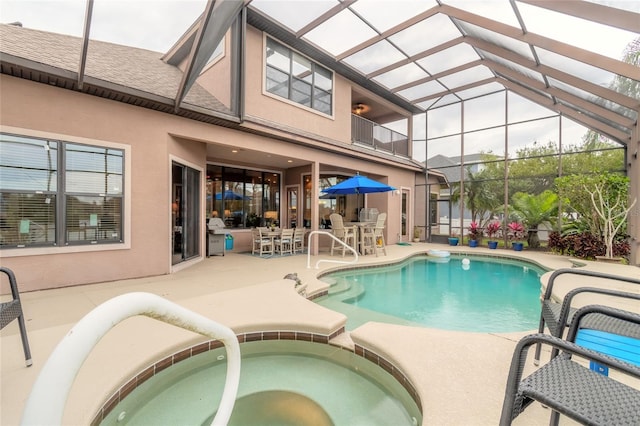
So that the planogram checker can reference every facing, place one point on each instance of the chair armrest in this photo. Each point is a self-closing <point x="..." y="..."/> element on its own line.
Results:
<point x="563" y="319"/>
<point x="605" y="318"/>
<point x="13" y="283"/>
<point x="574" y="271"/>
<point x="514" y="402"/>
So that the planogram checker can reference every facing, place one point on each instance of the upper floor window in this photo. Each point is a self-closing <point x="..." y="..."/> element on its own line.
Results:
<point x="293" y="76"/>
<point x="59" y="193"/>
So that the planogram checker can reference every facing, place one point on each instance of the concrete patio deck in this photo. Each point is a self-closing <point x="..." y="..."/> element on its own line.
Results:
<point x="459" y="376"/>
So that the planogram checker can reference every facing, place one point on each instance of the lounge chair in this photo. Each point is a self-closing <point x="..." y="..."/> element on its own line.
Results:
<point x="568" y="387"/>
<point x="556" y="316"/>
<point x="13" y="310"/>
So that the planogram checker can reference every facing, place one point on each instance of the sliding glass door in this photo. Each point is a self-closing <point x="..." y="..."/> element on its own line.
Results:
<point x="185" y="208"/>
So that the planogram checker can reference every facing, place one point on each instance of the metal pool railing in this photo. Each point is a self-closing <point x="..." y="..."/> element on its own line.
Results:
<point x="48" y="397"/>
<point x="355" y="253"/>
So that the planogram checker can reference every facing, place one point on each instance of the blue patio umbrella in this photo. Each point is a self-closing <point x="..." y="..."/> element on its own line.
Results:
<point x="358" y="184"/>
<point x="230" y="195"/>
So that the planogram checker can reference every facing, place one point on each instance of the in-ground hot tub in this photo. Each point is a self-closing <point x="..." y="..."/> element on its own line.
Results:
<point x="283" y="382"/>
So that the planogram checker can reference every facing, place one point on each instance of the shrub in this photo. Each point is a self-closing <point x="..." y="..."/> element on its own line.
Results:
<point x="557" y="243"/>
<point x="621" y="246"/>
<point x="587" y="246"/>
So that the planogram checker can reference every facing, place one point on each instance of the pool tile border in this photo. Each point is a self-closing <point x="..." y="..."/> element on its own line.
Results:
<point x="390" y="368"/>
<point x="396" y="262"/>
<point x="184" y="354"/>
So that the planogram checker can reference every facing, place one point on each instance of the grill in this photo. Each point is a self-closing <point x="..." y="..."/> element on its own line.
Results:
<point x="215" y="236"/>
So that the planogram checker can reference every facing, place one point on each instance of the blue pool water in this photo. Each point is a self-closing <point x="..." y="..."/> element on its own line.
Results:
<point x="487" y="295"/>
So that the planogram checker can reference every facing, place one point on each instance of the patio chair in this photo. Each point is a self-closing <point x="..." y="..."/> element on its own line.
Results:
<point x="566" y="386"/>
<point x="373" y="238"/>
<point x="298" y="240"/>
<point x="261" y="243"/>
<point x="346" y="234"/>
<point x="13" y="310"/>
<point x="284" y="242"/>
<point x="556" y="316"/>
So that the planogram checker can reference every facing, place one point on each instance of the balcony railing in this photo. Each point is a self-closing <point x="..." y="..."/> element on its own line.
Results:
<point x="380" y="138"/>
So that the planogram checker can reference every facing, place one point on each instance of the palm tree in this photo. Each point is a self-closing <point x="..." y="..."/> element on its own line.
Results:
<point x="535" y="210"/>
<point x="479" y="196"/>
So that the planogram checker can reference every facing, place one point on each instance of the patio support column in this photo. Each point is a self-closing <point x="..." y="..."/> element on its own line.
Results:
<point x="506" y="167"/>
<point x="633" y="171"/>
<point x="462" y="175"/>
<point x="315" y="211"/>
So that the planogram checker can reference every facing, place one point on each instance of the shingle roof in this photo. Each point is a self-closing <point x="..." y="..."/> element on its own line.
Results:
<point x="446" y="166"/>
<point x="128" y="67"/>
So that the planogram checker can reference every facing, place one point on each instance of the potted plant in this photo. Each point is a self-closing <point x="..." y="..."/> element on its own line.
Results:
<point x="416" y="234"/>
<point x="493" y="229"/>
<point x="516" y="233"/>
<point x="453" y="239"/>
<point x="475" y="232"/>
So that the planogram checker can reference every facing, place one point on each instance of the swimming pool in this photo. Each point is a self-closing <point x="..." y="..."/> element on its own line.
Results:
<point x="282" y="382"/>
<point x="483" y="295"/>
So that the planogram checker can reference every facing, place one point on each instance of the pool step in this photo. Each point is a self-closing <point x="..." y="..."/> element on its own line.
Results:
<point x="355" y="292"/>
<point x="339" y="285"/>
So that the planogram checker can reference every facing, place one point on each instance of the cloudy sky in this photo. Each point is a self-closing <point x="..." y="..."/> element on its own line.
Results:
<point x="148" y="24"/>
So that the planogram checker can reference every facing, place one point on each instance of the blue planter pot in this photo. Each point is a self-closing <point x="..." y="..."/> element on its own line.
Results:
<point x="473" y="243"/>
<point x="453" y="241"/>
<point x="517" y="246"/>
<point x="493" y="245"/>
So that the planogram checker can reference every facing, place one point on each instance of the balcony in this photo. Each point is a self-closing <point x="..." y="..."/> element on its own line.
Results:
<point x="366" y="132"/>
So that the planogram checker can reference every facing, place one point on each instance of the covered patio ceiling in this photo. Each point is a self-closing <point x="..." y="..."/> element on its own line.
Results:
<point x="431" y="53"/>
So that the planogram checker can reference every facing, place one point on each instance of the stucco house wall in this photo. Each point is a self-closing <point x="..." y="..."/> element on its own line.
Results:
<point x="152" y="140"/>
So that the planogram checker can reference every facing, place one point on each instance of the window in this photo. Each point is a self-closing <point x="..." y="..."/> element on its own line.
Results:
<point x="243" y="198"/>
<point x="59" y="193"/>
<point x="294" y="77"/>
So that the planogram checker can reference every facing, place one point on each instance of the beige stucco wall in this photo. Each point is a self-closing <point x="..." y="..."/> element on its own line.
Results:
<point x="40" y="110"/>
<point x="217" y="75"/>
<point x="152" y="140"/>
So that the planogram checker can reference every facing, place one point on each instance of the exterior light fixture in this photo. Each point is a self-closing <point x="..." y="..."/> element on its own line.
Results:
<point x="360" y="108"/>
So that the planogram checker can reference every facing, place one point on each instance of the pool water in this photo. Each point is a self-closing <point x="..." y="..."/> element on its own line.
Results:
<point x="480" y="294"/>
<point x="282" y="383"/>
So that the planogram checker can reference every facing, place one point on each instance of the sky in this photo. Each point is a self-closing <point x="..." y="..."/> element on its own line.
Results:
<point x="148" y="24"/>
<point x="157" y="24"/>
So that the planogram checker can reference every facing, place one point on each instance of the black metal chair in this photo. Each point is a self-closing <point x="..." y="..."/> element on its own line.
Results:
<point x="556" y="316"/>
<point x="570" y="388"/>
<point x="13" y="310"/>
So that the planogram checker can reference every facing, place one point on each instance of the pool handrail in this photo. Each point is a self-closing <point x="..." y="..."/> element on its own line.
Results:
<point x="347" y="262"/>
<point x="46" y="402"/>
